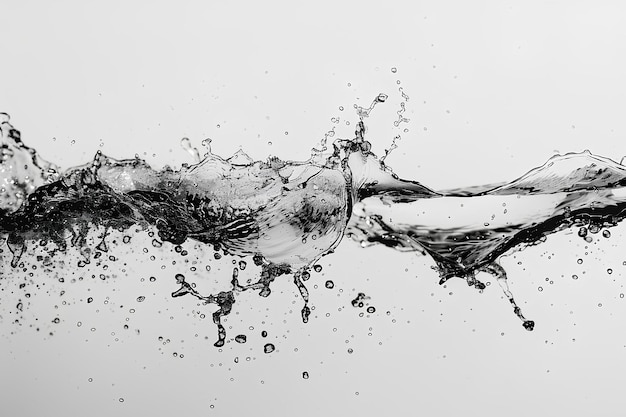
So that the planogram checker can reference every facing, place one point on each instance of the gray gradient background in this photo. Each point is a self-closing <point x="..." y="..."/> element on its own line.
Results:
<point x="496" y="88"/>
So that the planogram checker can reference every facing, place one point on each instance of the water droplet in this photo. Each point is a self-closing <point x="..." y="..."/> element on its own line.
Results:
<point x="269" y="348"/>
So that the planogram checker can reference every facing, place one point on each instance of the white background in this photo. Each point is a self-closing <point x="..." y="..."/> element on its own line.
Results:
<point x="495" y="89"/>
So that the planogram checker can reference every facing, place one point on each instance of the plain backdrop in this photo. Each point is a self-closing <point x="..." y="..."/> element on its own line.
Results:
<point x="495" y="88"/>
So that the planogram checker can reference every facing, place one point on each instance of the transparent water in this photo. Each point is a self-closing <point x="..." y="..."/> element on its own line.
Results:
<point x="276" y="219"/>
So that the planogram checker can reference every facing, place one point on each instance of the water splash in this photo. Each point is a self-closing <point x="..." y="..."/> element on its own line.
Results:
<point x="286" y="215"/>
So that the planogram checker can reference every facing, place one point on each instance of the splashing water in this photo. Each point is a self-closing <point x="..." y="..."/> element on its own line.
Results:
<point x="286" y="215"/>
